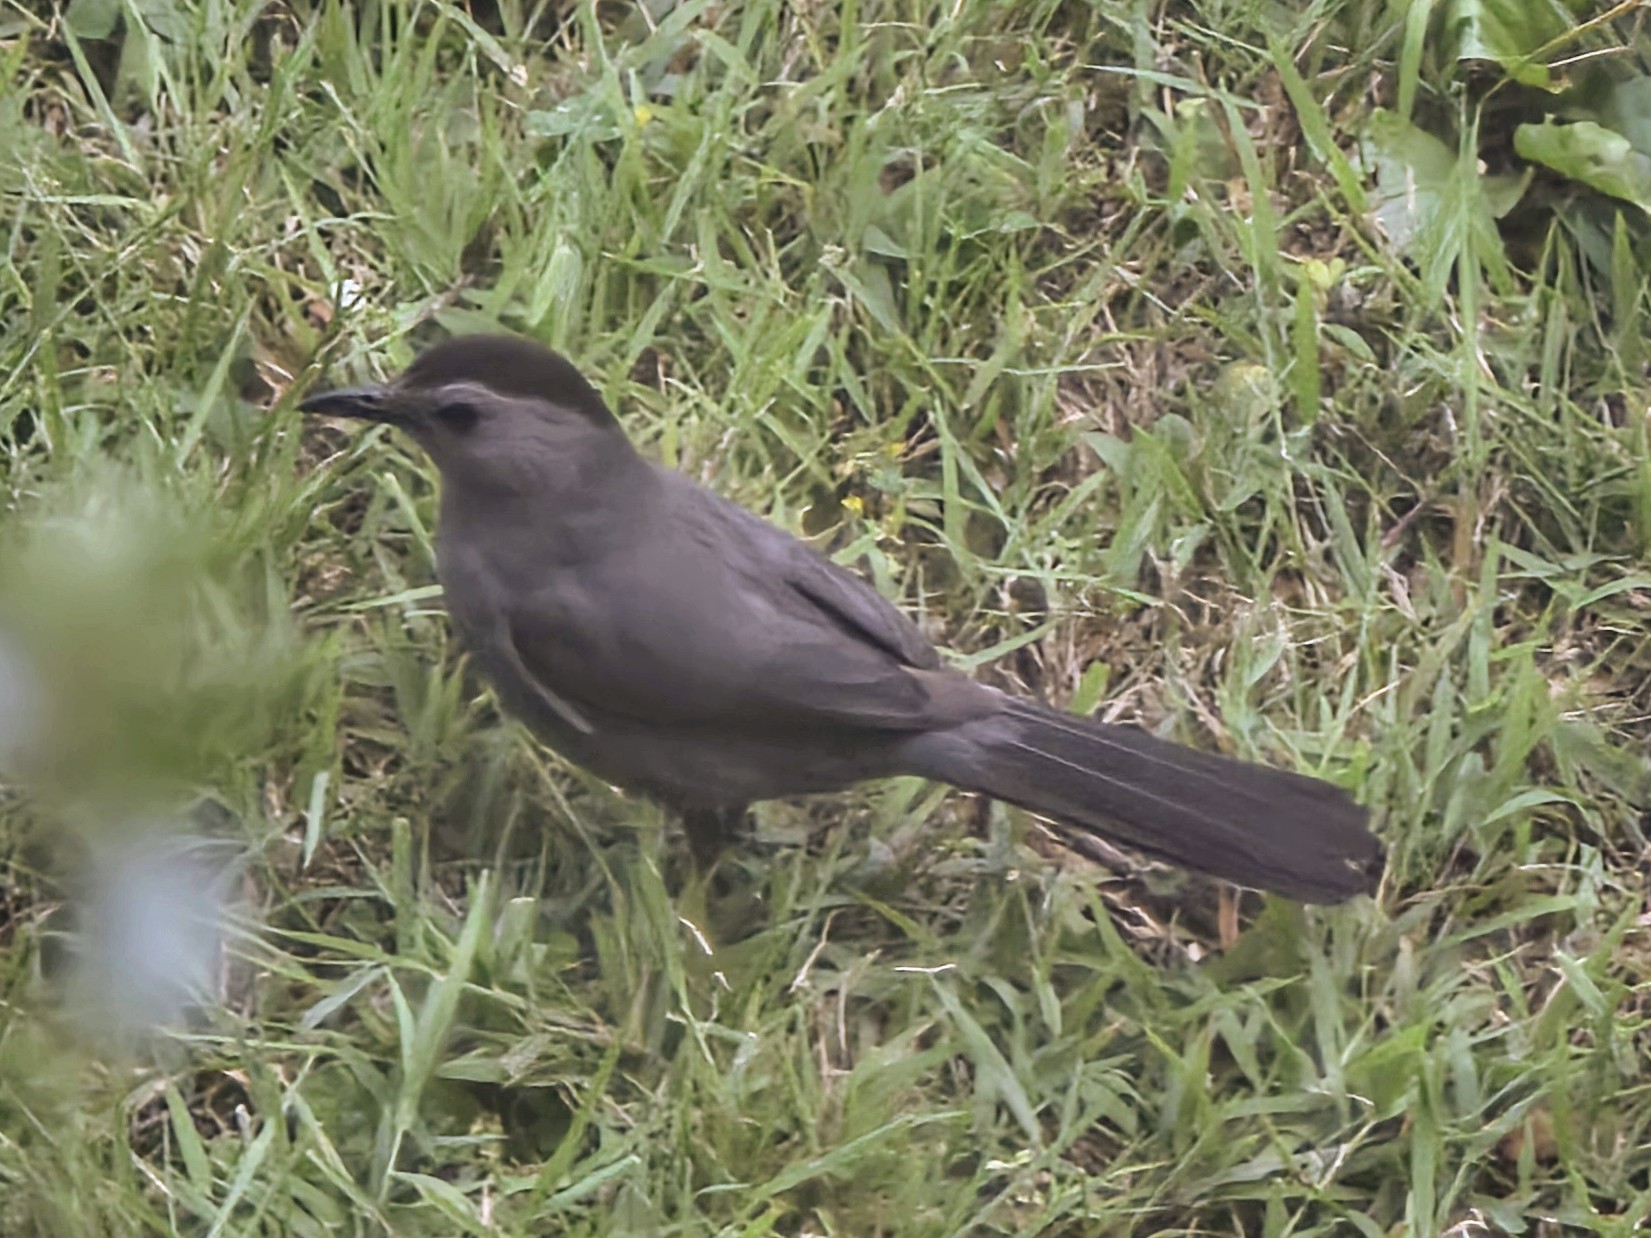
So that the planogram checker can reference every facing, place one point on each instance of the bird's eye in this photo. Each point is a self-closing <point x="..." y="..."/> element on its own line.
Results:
<point x="459" y="416"/>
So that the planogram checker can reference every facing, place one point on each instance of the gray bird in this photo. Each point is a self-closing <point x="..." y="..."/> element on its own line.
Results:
<point x="679" y="646"/>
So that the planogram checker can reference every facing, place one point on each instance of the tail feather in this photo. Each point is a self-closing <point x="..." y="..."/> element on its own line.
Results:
<point x="1251" y="824"/>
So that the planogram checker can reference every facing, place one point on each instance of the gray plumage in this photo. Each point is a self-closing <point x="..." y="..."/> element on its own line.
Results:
<point x="676" y="644"/>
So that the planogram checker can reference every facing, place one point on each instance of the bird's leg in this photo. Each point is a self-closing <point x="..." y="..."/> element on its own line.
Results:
<point x="724" y="901"/>
<point x="709" y="831"/>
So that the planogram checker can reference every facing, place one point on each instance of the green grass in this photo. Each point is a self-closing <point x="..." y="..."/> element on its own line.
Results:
<point x="1074" y="327"/>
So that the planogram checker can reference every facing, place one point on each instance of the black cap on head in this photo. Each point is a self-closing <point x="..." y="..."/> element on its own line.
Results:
<point x="510" y="366"/>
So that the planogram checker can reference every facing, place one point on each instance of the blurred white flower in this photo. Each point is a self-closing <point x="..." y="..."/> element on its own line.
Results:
<point x="148" y="946"/>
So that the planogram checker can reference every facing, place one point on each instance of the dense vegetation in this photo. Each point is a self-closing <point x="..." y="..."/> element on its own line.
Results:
<point x="1270" y="376"/>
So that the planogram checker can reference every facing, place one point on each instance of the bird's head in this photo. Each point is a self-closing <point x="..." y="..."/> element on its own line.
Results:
<point x="491" y="410"/>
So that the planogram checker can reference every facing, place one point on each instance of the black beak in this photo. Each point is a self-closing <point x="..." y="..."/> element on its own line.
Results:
<point x="361" y="403"/>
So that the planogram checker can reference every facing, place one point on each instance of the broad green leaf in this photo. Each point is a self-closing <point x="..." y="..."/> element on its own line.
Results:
<point x="1591" y="154"/>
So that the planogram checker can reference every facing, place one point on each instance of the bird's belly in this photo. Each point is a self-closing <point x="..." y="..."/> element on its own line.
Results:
<point x="690" y="765"/>
<point x="699" y="767"/>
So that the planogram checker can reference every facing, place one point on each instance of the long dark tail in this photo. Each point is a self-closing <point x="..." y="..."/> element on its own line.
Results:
<point x="1247" y="823"/>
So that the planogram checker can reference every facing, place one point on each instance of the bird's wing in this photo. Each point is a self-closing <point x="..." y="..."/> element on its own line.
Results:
<point x="502" y="645"/>
<point x="861" y="610"/>
<point x="737" y="625"/>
